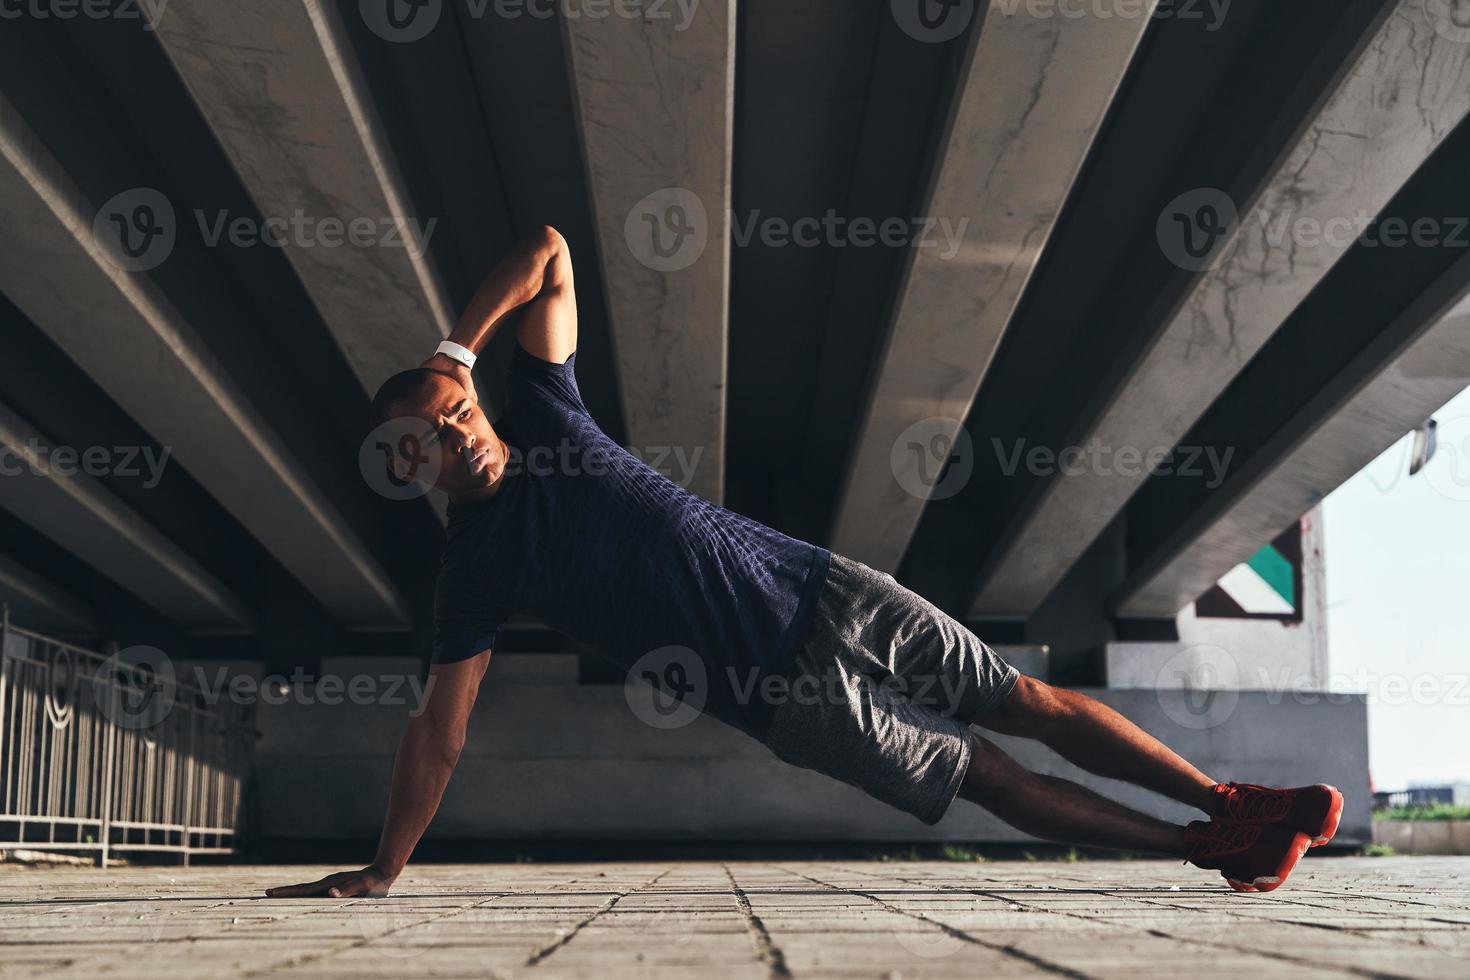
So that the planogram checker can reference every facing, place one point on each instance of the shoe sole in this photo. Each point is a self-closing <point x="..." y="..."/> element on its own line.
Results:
<point x="1269" y="883"/>
<point x="1334" y="816"/>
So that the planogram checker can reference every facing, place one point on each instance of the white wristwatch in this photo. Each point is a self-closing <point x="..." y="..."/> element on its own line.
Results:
<point x="455" y="352"/>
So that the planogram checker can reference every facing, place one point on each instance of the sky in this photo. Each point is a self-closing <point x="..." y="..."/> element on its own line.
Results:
<point x="1397" y="551"/>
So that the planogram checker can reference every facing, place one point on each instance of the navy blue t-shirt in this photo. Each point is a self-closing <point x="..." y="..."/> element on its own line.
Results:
<point x="591" y="541"/>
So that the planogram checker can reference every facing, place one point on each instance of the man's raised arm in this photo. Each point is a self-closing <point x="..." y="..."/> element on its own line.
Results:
<point x="426" y="757"/>
<point x="536" y="278"/>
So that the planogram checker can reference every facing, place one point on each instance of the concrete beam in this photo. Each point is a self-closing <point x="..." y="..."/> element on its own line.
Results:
<point x="79" y="513"/>
<point x="1359" y="150"/>
<point x="656" y="100"/>
<point x="282" y="90"/>
<point x="1036" y="91"/>
<point x="1340" y="435"/>
<point x="36" y="603"/>
<point x="121" y="329"/>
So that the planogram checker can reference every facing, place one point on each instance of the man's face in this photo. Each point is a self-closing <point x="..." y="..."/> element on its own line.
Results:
<point x="471" y="457"/>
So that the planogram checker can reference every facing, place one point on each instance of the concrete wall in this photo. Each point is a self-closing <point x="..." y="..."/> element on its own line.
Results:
<point x="551" y="759"/>
<point x="1423" y="836"/>
<point x="1239" y="654"/>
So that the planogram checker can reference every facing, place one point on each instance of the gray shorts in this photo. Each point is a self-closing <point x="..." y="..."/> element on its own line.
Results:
<point x="882" y="691"/>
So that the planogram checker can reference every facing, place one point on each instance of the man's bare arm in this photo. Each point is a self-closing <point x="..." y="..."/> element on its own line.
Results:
<point x="426" y="757"/>
<point x="535" y="278"/>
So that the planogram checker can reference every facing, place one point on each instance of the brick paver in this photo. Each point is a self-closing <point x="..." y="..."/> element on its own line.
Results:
<point x="1397" y="917"/>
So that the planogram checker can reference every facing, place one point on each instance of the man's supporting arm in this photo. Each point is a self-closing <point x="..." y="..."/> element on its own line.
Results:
<point x="426" y="757"/>
<point x="535" y="278"/>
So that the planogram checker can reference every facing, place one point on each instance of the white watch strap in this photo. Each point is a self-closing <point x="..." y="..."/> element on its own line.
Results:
<point x="455" y="352"/>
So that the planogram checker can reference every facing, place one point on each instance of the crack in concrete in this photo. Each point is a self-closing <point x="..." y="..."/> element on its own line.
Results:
<point x="960" y="934"/>
<point x="542" y="952"/>
<point x="760" y="937"/>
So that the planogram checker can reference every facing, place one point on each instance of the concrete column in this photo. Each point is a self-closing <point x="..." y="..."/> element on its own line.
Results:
<point x="283" y="93"/>
<point x="655" y="93"/>
<point x="1037" y="88"/>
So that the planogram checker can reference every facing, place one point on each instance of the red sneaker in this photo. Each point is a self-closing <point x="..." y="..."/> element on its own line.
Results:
<point x="1250" y="857"/>
<point x="1311" y="810"/>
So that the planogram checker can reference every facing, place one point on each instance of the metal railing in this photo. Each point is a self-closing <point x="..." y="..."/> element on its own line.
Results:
<point x="105" y="756"/>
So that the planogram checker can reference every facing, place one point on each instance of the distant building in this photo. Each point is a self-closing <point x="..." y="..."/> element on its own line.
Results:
<point x="1457" y="794"/>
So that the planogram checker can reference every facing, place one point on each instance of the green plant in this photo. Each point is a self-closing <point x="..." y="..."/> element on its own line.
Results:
<point x="955" y="852"/>
<point x="1378" y="851"/>
<point x="1434" y="811"/>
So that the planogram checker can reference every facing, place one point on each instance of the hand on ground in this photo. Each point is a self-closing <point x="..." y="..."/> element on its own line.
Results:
<point x="367" y="883"/>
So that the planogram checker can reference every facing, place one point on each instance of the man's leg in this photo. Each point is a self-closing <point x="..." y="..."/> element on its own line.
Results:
<point x="1094" y="737"/>
<point x="1059" y="810"/>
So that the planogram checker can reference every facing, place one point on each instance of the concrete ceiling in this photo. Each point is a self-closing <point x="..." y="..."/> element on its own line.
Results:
<point x="789" y="372"/>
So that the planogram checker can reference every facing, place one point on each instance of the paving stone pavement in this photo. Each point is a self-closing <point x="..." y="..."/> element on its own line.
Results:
<point x="1391" y="917"/>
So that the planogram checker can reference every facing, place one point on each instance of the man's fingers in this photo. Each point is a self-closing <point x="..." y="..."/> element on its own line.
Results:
<point x="301" y="891"/>
<point x="295" y="891"/>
